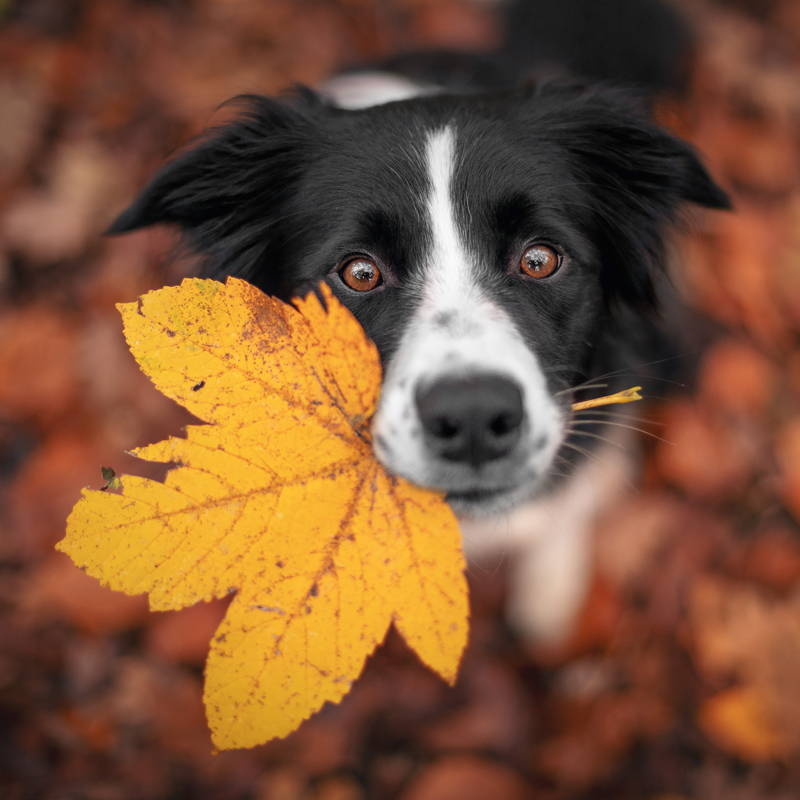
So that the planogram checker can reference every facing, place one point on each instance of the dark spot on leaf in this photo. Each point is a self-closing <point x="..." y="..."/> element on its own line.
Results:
<point x="198" y="386"/>
<point x="169" y="333"/>
<point x="221" y="638"/>
<point x="269" y="609"/>
<point x="314" y="590"/>
<point x="279" y="564"/>
<point x="308" y="609"/>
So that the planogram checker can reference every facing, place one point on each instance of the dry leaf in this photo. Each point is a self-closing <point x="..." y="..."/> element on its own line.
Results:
<point x="466" y="777"/>
<point x="738" y="719"/>
<point x="278" y="499"/>
<point x="787" y="451"/>
<point x="700" y="454"/>
<point x="737" y="378"/>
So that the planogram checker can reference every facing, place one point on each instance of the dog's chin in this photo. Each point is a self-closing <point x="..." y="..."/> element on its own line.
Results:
<point x="488" y="502"/>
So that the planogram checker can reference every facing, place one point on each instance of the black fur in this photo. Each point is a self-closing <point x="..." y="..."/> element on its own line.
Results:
<point x="284" y="194"/>
<point x="646" y="44"/>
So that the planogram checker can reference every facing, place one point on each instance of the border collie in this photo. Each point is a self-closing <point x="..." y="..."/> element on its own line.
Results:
<point x="499" y="247"/>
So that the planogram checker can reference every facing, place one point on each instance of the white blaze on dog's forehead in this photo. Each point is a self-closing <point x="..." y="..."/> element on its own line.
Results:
<point x="448" y="273"/>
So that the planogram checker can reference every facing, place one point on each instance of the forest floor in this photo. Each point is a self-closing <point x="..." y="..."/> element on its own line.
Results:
<point x="681" y="680"/>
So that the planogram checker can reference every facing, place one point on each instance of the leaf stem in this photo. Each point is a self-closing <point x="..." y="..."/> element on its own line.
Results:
<point x="625" y="396"/>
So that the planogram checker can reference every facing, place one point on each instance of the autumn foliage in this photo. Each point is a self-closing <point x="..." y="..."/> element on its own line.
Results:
<point x="680" y="681"/>
<point x="278" y="500"/>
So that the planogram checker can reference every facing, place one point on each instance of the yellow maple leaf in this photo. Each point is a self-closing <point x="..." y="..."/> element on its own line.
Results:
<point x="279" y="499"/>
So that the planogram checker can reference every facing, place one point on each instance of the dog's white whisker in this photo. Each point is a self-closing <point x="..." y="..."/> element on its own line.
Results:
<point x="614" y="414"/>
<point x="589" y="434"/>
<point x="582" y="387"/>
<point x="623" y="425"/>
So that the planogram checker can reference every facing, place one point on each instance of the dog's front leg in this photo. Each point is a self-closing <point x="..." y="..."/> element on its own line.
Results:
<point x="549" y="579"/>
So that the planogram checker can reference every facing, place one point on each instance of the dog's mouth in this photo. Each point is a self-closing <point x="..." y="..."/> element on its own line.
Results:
<point x="475" y="495"/>
<point x="486" y="502"/>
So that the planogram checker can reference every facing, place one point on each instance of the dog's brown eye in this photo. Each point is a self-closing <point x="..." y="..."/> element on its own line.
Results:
<point x="539" y="261"/>
<point x="361" y="275"/>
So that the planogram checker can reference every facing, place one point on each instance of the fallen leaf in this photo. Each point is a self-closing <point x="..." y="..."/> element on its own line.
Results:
<point x="183" y="636"/>
<point x="56" y="590"/>
<point x="467" y="777"/>
<point x="787" y="451"/>
<point x="699" y="454"/>
<point x="769" y="556"/>
<point x="38" y="349"/>
<point x="632" y="535"/>
<point x="741" y="632"/>
<point x="277" y="499"/>
<point x="82" y="185"/>
<point x="23" y="122"/>
<point x="737" y="378"/>
<point x="739" y="721"/>
<point x="339" y="787"/>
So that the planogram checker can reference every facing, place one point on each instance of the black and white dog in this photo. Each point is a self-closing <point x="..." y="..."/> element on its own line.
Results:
<point x="499" y="247"/>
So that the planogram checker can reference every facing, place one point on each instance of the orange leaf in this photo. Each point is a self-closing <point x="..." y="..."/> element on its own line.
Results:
<point x="277" y="499"/>
<point x="738" y="720"/>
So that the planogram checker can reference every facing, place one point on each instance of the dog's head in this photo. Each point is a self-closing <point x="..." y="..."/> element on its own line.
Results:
<point x="483" y="241"/>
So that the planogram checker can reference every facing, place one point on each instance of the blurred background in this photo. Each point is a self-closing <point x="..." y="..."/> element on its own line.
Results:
<point x="682" y="679"/>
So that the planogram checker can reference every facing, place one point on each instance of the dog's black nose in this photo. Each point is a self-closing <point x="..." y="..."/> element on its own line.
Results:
<point x="471" y="419"/>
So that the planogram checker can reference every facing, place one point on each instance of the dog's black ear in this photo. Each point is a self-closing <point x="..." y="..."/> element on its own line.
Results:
<point x="642" y="178"/>
<point x="221" y="191"/>
<point x="695" y="184"/>
<point x="645" y="162"/>
<point x="646" y="177"/>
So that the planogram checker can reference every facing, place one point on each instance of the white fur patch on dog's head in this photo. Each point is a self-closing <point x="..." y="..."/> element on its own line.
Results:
<point x="355" y="90"/>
